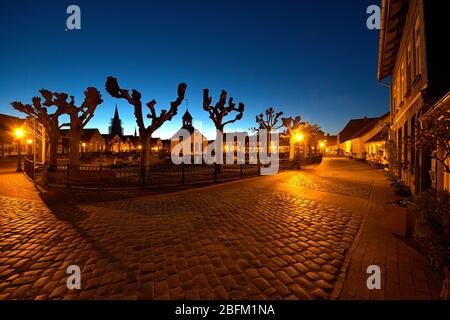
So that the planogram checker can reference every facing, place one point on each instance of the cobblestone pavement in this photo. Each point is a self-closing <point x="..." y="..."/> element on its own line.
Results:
<point x="261" y="238"/>
<point x="15" y="185"/>
<point x="353" y="188"/>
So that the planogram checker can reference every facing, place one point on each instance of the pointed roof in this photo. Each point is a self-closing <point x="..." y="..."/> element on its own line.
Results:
<point x="331" y="140"/>
<point x="88" y="134"/>
<point x="187" y="115"/>
<point x="358" y="127"/>
<point x="354" y="127"/>
<point x="393" y="20"/>
<point x="381" y="135"/>
<point x="116" y="124"/>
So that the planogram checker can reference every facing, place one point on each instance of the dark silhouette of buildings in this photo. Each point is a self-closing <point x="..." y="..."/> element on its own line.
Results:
<point x="116" y="125"/>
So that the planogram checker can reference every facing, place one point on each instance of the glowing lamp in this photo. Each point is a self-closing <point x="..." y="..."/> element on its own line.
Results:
<point x="19" y="133"/>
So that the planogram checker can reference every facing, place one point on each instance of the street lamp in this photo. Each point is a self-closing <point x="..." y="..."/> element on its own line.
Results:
<point x="19" y="134"/>
<point x="84" y="147"/>
<point x="298" y="137"/>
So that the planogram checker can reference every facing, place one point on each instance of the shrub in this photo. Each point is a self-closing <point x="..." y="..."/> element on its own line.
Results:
<point x="402" y="190"/>
<point x="433" y="226"/>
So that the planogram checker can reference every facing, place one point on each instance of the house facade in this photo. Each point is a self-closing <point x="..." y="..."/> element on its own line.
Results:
<point x="375" y="147"/>
<point x="368" y="143"/>
<point x="198" y="142"/>
<point x="364" y="139"/>
<point x="92" y="141"/>
<point x="331" y="147"/>
<point x="348" y="139"/>
<point x="413" y="54"/>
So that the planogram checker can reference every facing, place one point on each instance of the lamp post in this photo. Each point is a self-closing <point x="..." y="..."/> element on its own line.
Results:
<point x="298" y="139"/>
<point x="322" y="146"/>
<point x="140" y="150"/>
<point x="19" y="134"/>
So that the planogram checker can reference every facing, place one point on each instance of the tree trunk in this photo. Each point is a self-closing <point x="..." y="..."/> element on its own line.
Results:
<point x="146" y="148"/>
<point x="291" y="149"/>
<point x="74" y="152"/>
<point x="53" y="153"/>
<point x="269" y="144"/>
<point x="145" y="157"/>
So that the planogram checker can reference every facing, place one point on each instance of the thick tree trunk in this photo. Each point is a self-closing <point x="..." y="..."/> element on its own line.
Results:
<point x="291" y="150"/>
<point x="145" y="157"/>
<point x="74" y="152"/>
<point x="53" y="153"/>
<point x="146" y="148"/>
<point x="53" y="137"/>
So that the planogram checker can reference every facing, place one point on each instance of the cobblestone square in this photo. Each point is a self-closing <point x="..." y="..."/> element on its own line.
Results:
<point x="297" y="235"/>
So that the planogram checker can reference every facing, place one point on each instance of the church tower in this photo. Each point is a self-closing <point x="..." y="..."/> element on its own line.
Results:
<point x="187" y="122"/>
<point x="187" y="119"/>
<point x="116" y="125"/>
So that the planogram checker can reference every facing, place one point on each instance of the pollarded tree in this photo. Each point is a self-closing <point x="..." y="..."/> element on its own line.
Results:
<point x="50" y="122"/>
<point x="292" y="130"/>
<point x="145" y="132"/>
<point x="299" y="131"/>
<point x="269" y="122"/>
<point x="313" y="134"/>
<point x="79" y="116"/>
<point x="220" y="110"/>
<point x="292" y="125"/>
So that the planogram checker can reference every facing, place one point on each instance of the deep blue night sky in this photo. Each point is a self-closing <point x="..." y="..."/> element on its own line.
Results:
<point x="316" y="58"/>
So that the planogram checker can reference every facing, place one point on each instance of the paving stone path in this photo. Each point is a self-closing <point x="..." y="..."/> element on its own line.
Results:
<point x="260" y="238"/>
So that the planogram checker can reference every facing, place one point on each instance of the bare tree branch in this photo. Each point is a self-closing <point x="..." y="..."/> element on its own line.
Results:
<point x="218" y="112"/>
<point x="270" y="121"/>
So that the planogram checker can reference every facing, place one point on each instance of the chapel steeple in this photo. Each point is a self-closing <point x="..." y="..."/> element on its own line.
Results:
<point x="187" y="119"/>
<point x="116" y="124"/>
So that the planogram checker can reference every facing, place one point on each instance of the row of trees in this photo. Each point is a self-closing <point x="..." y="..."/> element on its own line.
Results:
<point x="48" y="109"/>
<point x="79" y="117"/>
<point x="41" y="109"/>
<point x="272" y="120"/>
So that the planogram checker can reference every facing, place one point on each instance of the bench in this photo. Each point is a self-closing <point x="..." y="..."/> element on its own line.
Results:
<point x="89" y="178"/>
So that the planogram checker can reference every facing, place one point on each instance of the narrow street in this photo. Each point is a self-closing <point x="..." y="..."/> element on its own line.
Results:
<point x="307" y="234"/>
